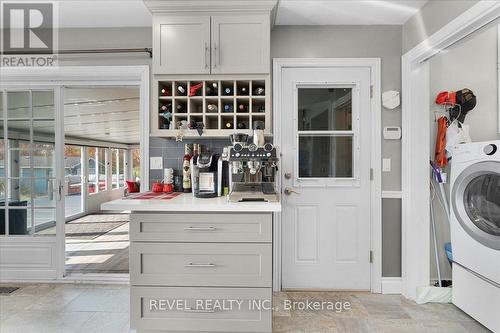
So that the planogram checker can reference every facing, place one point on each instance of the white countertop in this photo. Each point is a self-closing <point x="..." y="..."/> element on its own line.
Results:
<point x="187" y="203"/>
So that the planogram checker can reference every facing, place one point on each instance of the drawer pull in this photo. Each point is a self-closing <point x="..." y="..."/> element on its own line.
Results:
<point x="200" y="310"/>
<point x="199" y="265"/>
<point x="200" y="228"/>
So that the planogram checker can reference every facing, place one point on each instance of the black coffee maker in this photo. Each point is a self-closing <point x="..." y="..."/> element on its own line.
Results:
<point x="206" y="175"/>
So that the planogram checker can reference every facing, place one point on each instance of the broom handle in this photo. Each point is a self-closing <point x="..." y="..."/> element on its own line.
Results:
<point x="433" y="225"/>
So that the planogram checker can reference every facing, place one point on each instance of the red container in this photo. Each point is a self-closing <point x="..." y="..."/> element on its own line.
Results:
<point x="168" y="188"/>
<point x="157" y="187"/>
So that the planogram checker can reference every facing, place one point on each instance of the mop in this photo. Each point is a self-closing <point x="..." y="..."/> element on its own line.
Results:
<point x="439" y="293"/>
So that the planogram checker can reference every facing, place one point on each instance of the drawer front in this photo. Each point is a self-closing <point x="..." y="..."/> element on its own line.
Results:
<point x="201" y="227"/>
<point x="201" y="309"/>
<point x="201" y="264"/>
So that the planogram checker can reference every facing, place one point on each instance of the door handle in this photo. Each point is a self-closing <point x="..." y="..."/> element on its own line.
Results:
<point x="288" y="175"/>
<point x="207" y="265"/>
<point x="289" y="190"/>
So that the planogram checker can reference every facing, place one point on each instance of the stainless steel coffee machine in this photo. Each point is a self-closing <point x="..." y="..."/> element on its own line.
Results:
<point x="252" y="168"/>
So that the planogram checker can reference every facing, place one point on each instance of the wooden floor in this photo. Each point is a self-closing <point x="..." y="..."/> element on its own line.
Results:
<point x="107" y="253"/>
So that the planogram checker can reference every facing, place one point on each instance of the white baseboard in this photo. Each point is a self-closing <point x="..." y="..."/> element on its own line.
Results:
<point x="392" y="285"/>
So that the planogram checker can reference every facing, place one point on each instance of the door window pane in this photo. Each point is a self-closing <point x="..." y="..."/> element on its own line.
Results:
<point x="482" y="203"/>
<point x="325" y="109"/>
<point x="43" y="104"/>
<point x="325" y="156"/>
<point x="19" y="218"/>
<point x="45" y="221"/>
<point x="18" y="104"/>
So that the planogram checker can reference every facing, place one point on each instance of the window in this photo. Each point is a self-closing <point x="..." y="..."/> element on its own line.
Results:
<point x="136" y="164"/>
<point x="93" y="170"/>
<point x="97" y="181"/>
<point x="325" y="133"/>
<point x="118" y="167"/>
<point x="102" y="169"/>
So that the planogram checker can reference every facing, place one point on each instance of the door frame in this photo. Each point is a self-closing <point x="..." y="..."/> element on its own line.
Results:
<point x="57" y="77"/>
<point x="374" y="64"/>
<point x="415" y="242"/>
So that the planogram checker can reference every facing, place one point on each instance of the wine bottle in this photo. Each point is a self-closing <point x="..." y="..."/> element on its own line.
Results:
<point x="228" y="125"/>
<point x="212" y="108"/>
<point x="261" y="108"/>
<point x="241" y="125"/>
<point x="212" y="89"/>
<point x="180" y="108"/>
<point x="228" y="108"/>
<point x="165" y="92"/>
<point x="243" y="91"/>
<point x="259" y="91"/>
<point x="242" y="108"/>
<point x="228" y="91"/>
<point x="194" y="90"/>
<point x="181" y="89"/>
<point x="166" y="108"/>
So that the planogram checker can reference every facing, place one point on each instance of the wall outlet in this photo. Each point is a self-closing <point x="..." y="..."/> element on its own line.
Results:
<point x="386" y="165"/>
<point x="156" y="163"/>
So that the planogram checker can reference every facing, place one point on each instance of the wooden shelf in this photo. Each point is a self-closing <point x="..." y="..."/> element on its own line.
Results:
<point x="211" y="92"/>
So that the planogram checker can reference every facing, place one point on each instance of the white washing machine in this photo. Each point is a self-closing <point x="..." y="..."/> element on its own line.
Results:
<point x="475" y="230"/>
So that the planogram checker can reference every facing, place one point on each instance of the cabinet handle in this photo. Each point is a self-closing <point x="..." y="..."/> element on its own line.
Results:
<point x="200" y="265"/>
<point x="206" y="52"/>
<point x="200" y="310"/>
<point x="200" y="228"/>
<point x="216" y="60"/>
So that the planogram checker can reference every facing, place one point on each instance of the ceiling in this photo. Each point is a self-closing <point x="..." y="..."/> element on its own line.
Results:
<point x="133" y="13"/>
<point x="346" y="12"/>
<point x="109" y="114"/>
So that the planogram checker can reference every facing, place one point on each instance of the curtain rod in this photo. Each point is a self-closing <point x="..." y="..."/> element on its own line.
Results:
<point x="88" y="51"/>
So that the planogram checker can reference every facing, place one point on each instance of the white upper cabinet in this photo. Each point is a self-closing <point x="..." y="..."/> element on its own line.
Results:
<point x="240" y="44"/>
<point x="211" y="44"/>
<point x="181" y="44"/>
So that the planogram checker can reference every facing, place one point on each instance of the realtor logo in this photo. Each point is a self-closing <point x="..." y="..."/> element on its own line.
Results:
<point x="28" y="34"/>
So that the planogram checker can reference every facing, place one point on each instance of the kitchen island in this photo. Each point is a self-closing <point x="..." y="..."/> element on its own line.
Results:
<point x="199" y="265"/>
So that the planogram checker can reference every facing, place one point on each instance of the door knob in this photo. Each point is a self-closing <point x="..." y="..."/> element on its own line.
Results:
<point x="288" y="175"/>
<point x="289" y="191"/>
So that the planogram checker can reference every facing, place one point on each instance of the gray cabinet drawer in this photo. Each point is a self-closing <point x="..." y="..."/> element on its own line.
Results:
<point x="187" y="309"/>
<point x="201" y="227"/>
<point x="201" y="264"/>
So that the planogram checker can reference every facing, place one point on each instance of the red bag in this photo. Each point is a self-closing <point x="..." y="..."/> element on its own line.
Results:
<point x="440" y="150"/>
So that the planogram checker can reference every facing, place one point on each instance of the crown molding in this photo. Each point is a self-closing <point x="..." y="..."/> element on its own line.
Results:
<point x="171" y="6"/>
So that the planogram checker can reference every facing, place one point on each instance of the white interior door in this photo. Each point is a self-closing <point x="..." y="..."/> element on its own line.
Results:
<point x="30" y="183"/>
<point x="326" y="178"/>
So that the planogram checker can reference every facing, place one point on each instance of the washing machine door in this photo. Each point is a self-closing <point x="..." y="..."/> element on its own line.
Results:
<point x="476" y="202"/>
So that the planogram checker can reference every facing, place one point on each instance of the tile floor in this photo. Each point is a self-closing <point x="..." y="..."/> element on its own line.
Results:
<point x="68" y="308"/>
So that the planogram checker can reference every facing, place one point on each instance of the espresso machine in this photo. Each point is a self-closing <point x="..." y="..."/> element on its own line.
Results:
<point x="252" y="168"/>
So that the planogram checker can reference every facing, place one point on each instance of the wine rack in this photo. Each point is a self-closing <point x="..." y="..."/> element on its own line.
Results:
<point x="223" y="106"/>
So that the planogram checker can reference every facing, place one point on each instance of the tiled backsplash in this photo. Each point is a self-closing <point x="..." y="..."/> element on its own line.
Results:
<point x="172" y="152"/>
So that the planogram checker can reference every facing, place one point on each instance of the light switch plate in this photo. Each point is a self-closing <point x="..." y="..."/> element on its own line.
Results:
<point x="386" y="165"/>
<point x="156" y="163"/>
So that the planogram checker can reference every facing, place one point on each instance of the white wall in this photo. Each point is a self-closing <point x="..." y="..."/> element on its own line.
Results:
<point x="472" y="63"/>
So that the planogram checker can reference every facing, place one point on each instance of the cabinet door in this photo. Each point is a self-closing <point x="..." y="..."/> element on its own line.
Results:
<point x="240" y="44"/>
<point x="181" y="44"/>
